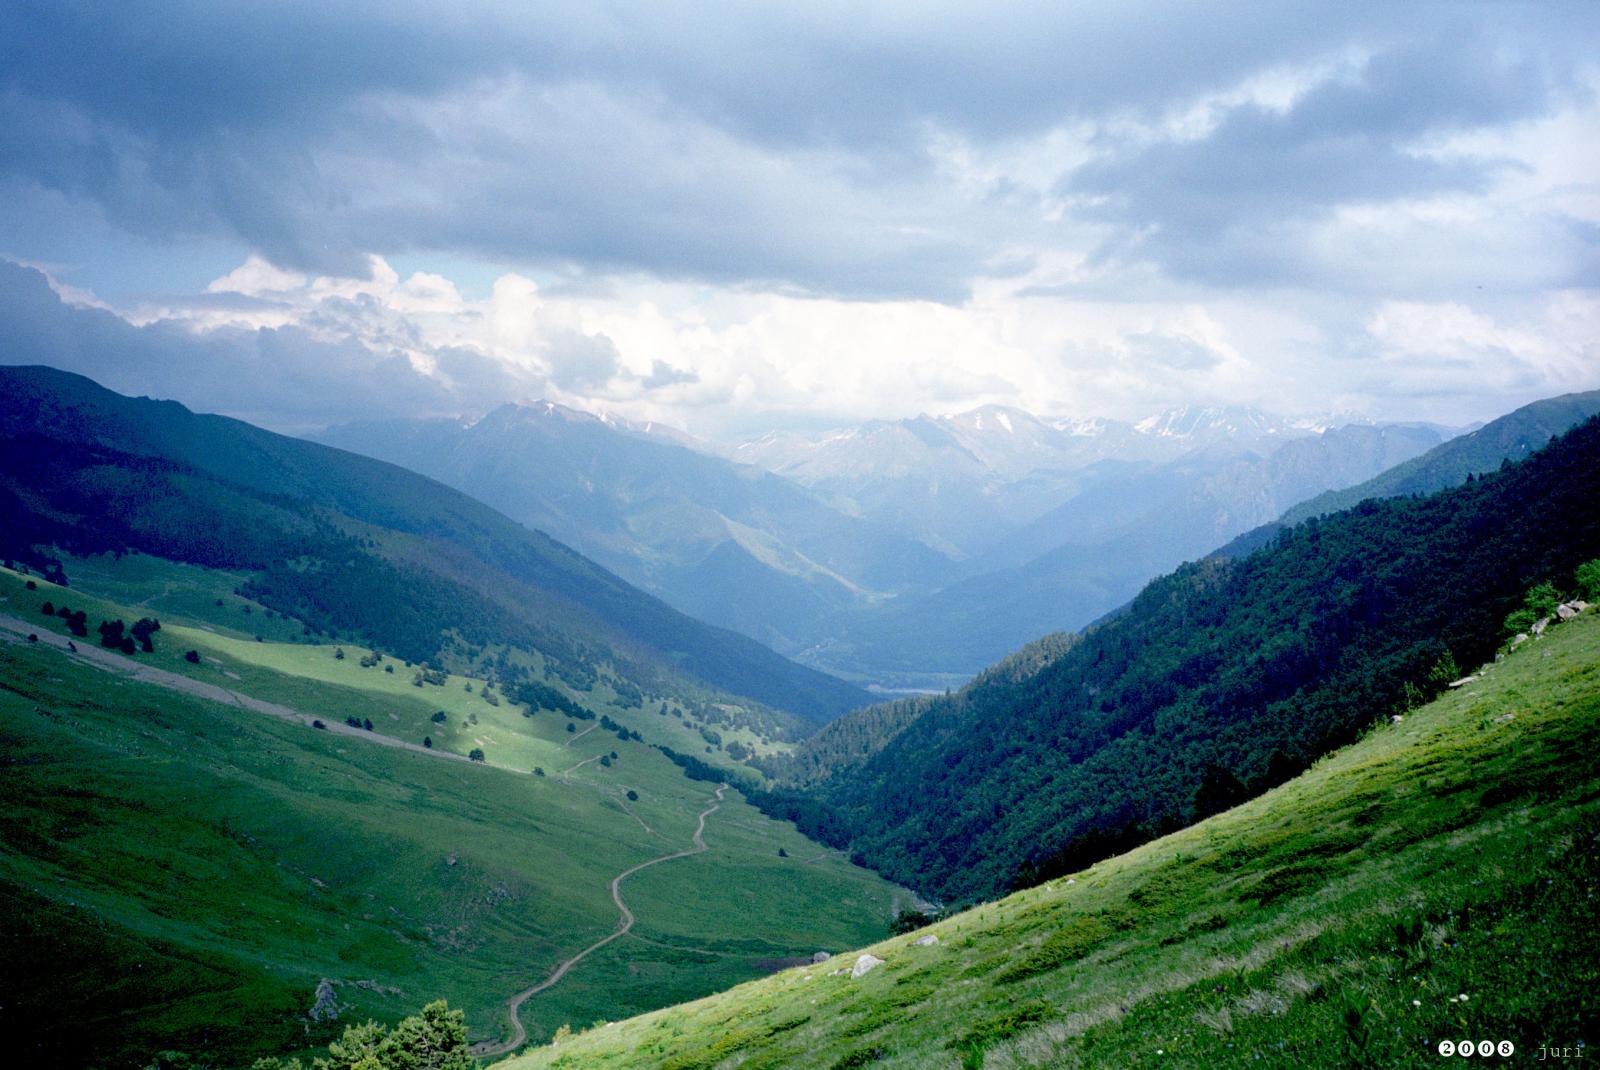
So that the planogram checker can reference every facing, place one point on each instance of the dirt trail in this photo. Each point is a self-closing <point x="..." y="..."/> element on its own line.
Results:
<point x="580" y="765"/>
<point x="518" y="1034"/>
<point x="573" y="739"/>
<point x="14" y="629"/>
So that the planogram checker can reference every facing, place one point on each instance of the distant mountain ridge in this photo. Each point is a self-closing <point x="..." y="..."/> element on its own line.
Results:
<point x="727" y="543"/>
<point x="1120" y="524"/>
<point x="958" y="482"/>
<point x="364" y="546"/>
<point x="1511" y="437"/>
<point x="903" y="553"/>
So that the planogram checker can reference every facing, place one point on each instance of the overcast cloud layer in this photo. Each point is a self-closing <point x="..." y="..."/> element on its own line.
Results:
<point x="806" y="215"/>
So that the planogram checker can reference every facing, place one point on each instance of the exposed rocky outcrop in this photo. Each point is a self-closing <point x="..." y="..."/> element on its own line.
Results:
<point x="865" y="965"/>
<point x="325" y="1008"/>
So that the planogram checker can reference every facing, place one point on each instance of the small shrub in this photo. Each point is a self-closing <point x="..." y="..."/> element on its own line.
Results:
<point x="1517" y="621"/>
<point x="1588" y="580"/>
<point x="861" y="1057"/>
<point x="990" y="1031"/>
<point x="1542" y="599"/>
<point x="1073" y="940"/>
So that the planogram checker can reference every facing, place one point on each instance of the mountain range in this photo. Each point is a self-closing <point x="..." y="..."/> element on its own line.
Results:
<point x="726" y="543"/>
<point x="883" y="553"/>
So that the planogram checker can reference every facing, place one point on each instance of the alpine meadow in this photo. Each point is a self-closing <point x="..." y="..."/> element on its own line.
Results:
<point x="601" y="536"/>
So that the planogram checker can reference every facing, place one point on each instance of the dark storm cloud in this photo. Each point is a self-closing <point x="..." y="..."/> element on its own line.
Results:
<point x="771" y="147"/>
<point x="1222" y="207"/>
<point x="284" y="378"/>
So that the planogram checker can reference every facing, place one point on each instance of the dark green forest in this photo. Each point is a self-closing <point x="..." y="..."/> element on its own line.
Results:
<point x="1219" y="681"/>
<point x="356" y="548"/>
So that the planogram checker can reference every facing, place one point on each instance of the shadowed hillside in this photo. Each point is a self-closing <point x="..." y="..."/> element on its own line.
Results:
<point x="351" y="545"/>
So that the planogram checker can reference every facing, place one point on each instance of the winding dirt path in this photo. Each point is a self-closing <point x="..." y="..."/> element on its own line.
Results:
<point x="14" y="629"/>
<point x="519" y="1035"/>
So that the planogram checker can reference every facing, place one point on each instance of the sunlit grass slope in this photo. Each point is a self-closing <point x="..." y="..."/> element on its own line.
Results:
<point x="246" y="646"/>
<point x="1434" y="880"/>
<point x="181" y="873"/>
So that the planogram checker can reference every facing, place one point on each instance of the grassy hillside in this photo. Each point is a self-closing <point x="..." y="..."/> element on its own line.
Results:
<point x="1434" y="880"/>
<point x="182" y="872"/>
<point x="1222" y="680"/>
<point x="351" y="546"/>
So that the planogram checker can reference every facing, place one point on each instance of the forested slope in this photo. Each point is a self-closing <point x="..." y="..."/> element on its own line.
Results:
<point x="348" y="544"/>
<point x="1222" y="679"/>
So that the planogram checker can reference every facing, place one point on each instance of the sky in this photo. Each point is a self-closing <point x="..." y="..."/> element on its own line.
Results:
<point x="734" y="218"/>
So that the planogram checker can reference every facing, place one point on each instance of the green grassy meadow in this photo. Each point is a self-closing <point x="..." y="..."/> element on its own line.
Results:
<point x="183" y="872"/>
<point x="1435" y="880"/>
<point x="247" y="647"/>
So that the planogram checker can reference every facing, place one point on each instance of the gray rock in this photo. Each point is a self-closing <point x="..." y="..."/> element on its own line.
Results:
<point x="1566" y="612"/>
<point x="821" y="956"/>
<point x="1518" y="639"/>
<point x="326" y="1007"/>
<point x="864" y="965"/>
<point x="926" y="941"/>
